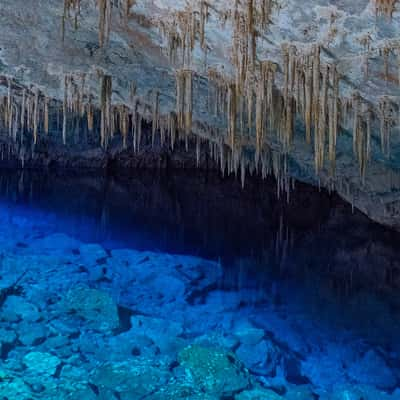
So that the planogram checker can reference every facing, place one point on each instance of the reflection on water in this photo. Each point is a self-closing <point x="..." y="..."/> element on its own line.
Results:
<point x="304" y="295"/>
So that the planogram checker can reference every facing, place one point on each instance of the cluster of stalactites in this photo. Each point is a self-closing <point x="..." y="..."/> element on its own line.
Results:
<point x="249" y="21"/>
<point x="387" y="116"/>
<point x="183" y="30"/>
<point x="76" y="101"/>
<point x="389" y="51"/>
<point x="72" y="9"/>
<point x="385" y="7"/>
<point x="22" y="111"/>
<point x="311" y="91"/>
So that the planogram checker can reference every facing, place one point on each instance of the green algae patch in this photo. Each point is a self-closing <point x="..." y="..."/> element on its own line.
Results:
<point x="95" y="307"/>
<point x="131" y="379"/>
<point x="214" y="370"/>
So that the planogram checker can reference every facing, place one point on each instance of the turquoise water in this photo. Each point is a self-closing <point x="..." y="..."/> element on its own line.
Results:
<point x="141" y="293"/>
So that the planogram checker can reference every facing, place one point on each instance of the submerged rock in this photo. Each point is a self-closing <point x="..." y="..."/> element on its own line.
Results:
<point x="56" y="243"/>
<point x="96" y="308"/>
<point x="258" y="394"/>
<point x="44" y="364"/>
<point x="92" y="254"/>
<point x="261" y="357"/>
<point x="214" y="370"/>
<point x="372" y="369"/>
<point x="32" y="334"/>
<point x="7" y="337"/>
<point x="162" y="332"/>
<point x="16" y="307"/>
<point x="247" y="333"/>
<point x="131" y="380"/>
<point x="357" y="392"/>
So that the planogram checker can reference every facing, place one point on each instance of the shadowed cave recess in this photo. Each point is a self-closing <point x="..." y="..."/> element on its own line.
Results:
<point x="199" y="199"/>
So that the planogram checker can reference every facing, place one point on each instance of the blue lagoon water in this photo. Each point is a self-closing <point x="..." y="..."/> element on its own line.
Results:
<point x="175" y="287"/>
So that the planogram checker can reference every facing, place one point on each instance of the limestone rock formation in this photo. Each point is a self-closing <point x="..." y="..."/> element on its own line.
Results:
<point x="289" y="88"/>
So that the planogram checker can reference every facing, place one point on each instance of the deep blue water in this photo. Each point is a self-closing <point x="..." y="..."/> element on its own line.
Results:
<point x="161" y="287"/>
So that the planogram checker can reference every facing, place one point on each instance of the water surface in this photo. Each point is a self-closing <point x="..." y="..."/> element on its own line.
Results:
<point x="185" y="286"/>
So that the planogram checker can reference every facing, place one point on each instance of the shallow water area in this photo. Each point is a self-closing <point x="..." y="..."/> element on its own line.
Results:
<point x="106" y="299"/>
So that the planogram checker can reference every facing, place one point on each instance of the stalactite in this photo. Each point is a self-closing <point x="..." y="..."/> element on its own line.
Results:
<point x="308" y="98"/>
<point x="203" y="21"/>
<point x="252" y="32"/>
<point x="184" y="100"/>
<point x="36" y="116"/>
<point x="198" y="149"/>
<point x="105" y="9"/>
<point x="260" y="115"/>
<point x="172" y="128"/>
<point x="65" y="110"/>
<point x="320" y="129"/>
<point x="386" y="120"/>
<point x="232" y="114"/>
<point x="105" y="105"/>
<point x="70" y="6"/>
<point x="156" y="116"/>
<point x="23" y="106"/>
<point x="15" y="125"/>
<point x="333" y="119"/>
<point x="90" y="115"/>
<point x="368" y="129"/>
<point x="46" y="115"/>
<point x="124" y="125"/>
<point x="316" y="85"/>
<point x="385" y="8"/>
<point x="10" y="119"/>
<point x="398" y="66"/>
<point x="386" y="53"/>
<point x="356" y="122"/>
<point x="126" y="9"/>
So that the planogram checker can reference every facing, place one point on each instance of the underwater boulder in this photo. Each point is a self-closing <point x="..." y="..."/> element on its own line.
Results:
<point x="131" y="380"/>
<point x="372" y="369"/>
<point x="247" y="333"/>
<point x="32" y="334"/>
<point x="91" y="254"/>
<point x="356" y="392"/>
<point x="7" y="338"/>
<point x="214" y="370"/>
<point x="165" y="334"/>
<point x="183" y="391"/>
<point x="262" y="359"/>
<point x="41" y="363"/>
<point x="14" y="387"/>
<point x="217" y="338"/>
<point x="95" y="307"/>
<point x="258" y="394"/>
<point x="16" y="307"/>
<point x="55" y="243"/>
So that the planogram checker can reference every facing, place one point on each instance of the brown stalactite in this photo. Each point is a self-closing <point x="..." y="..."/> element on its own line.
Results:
<point x="105" y="10"/>
<point x="46" y="115"/>
<point x="308" y="98"/>
<point x="36" y="116"/>
<point x="105" y="105"/>
<point x="65" y="110"/>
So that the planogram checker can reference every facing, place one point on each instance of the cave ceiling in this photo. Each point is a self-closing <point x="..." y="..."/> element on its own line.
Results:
<point x="299" y="89"/>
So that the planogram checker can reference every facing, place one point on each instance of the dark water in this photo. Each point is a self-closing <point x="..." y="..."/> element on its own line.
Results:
<point x="296" y="300"/>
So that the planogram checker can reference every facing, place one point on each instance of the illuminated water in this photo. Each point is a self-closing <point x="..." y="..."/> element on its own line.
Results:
<point x="187" y="288"/>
